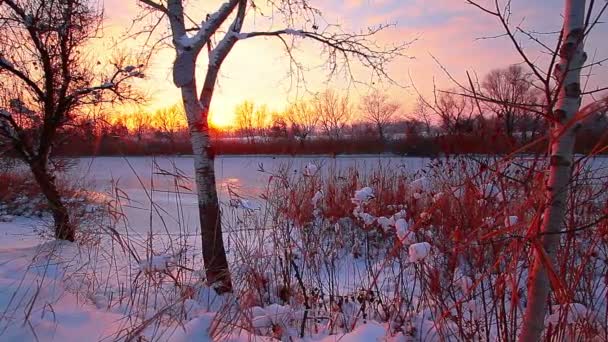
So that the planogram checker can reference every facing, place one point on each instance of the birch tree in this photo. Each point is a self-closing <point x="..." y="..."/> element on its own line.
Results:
<point x="46" y="82"/>
<point x="224" y="26"/>
<point x="560" y="83"/>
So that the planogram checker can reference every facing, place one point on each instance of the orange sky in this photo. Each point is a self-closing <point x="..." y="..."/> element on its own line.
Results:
<point x="257" y="69"/>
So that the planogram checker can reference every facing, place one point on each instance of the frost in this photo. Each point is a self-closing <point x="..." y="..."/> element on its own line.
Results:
<point x="419" y="251"/>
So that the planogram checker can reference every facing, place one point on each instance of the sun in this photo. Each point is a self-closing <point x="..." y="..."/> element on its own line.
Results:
<point x="220" y="120"/>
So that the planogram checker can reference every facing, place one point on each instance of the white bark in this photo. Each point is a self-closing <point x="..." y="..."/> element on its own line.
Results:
<point x="572" y="58"/>
<point x="187" y="50"/>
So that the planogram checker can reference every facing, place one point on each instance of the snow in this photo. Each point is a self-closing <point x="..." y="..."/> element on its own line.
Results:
<point x="368" y="219"/>
<point x="372" y="331"/>
<point x="511" y="221"/>
<point x="402" y="230"/>
<point x="32" y="278"/>
<point x="243" y="204"/>
<point x="240" y="35"/>
<point x="297" y="33"/>
<point x="205" y="27"/>
<point x="363" y="195"/>
<point x="157" y="263"/>
<point x="570" y="313"/>
<point x="419" y="251"/>
<point x="317" y="198"/>
<point x="310" y="170"/>
<point x="5" y="62"/>
<point x="385" y="223"/>
<point x="65" y="314"/>
<point x="420" y="185"/>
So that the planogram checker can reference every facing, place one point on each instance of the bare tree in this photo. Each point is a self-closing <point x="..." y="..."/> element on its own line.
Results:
<point x="298" y="16"/>
<point x="454" y="111"/>
<point x="261" y="119"/>
<point x="170" y="120"/>
<point x="422" y="113"/>
<point x="334" y="111"/>
<point x="302" y="118"/>
<point x="46" y="82"/>
<point x="379" y="110"/>
<point x="509" y="87"/>
<point x="140" y="122"/>
<point x="245" y="119"/>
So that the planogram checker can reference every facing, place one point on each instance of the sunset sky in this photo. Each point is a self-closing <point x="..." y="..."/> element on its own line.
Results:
<point x="257" y="68"/>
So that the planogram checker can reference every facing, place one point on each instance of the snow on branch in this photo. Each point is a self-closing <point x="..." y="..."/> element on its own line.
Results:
<point x="207" y="27"/>
<point x="119" y="76"/>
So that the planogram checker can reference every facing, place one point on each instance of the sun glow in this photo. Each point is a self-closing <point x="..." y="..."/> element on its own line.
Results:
<point x="222" y="121"/>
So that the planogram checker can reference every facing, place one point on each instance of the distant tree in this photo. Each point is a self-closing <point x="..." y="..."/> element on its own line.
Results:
<point x="422" y="113"/>
<point x="261" y="117"/>
<point x="513" y="90"/>
<point x="379" y="110"/>
<point x="47" y="81"/>
<point x="302" y="118"/>
<point x="169" y="121"/>
<point x="140" y="122"/>
<point x="334" y="111"/>
<point x="455" y="112"/>
<point x="245" y="119"/>
<point x="278" y="127"/>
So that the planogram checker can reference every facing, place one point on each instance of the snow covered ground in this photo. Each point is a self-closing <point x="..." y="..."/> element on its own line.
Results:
<point x="43" y="293"/>
<point x="52" y="291"/>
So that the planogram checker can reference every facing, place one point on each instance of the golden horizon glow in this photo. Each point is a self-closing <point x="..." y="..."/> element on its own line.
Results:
<point x="257" y="69"/>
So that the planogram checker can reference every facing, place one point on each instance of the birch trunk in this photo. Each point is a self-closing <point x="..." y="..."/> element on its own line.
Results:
<point x="572" y="58"/>
<point x="214" y="254"/>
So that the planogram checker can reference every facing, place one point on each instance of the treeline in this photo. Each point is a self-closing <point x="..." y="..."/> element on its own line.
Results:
<point x="333" y="123"/>
<point x="357" y="139"/>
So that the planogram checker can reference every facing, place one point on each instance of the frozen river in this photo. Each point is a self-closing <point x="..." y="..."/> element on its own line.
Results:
<point x="140" y="178"/>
